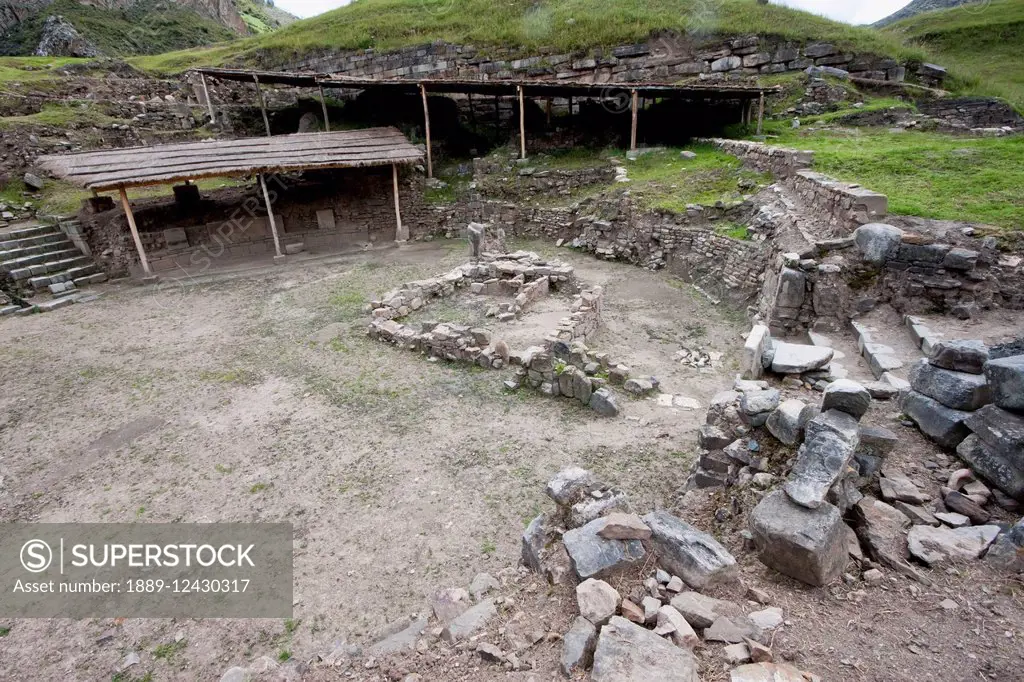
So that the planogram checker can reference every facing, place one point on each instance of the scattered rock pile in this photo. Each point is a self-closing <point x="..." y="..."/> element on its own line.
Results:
<point x="650" y="631"/>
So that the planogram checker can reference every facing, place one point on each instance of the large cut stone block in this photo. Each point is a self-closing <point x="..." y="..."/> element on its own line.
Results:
<point x="939" y="545"/>
<point x="693" y="555"/>
<point x="942" y="424"/>
<point x="1006" y="377"/>
<point x="594" y="557"/>
<point x="846" y="396"/>
<point x="788" y="421"/>
<point x="957" y="390"/>
<point x="792" y="289"/>
<point x="758" y="339"/>
<point x="793" y="358"/>
<point x="1002" y="464"/>
<point x="877" y="241"/>
<point x="960" y="356"/>
<point x="806" y="544"/>
<point x="627" y="652"/>
<point x="831" y="439"/>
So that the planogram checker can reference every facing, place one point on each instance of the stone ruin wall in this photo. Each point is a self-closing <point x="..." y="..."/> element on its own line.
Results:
<point x="665" y="57"/>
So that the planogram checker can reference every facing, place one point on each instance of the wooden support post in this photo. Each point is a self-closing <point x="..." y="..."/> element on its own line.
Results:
<point x="270" y="217"/>
<point x="426" y="119"/>
<point x="135" y="232"/>
<point x="547" y="110"/>
<point x="263" y="106"/>
<point x="206" y="94"/>
<point x="760" y="116"/>
<point x="401" y="232"/>
<point x="522" y="123"/>
<point x="632" y="135"/>
<point x="323" y="103"/>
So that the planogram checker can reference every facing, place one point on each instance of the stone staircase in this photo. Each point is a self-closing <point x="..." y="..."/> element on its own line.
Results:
<point x="37" y="258"/>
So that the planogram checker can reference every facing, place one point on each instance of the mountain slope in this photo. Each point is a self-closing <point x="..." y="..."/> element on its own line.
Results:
<point x="524" y="25"/>
<point x="133" y="27"/>
<point x="983" y="47"/>
<point x="921" y="6"/>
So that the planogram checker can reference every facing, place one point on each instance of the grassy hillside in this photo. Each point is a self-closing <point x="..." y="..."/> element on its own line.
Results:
<point x="141" y="29"/>
<point x="525" y="24"/>
<point x="981" y="42"/>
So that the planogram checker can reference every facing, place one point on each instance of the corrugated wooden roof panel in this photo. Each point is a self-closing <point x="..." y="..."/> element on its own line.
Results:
<point x="169" y="163"/>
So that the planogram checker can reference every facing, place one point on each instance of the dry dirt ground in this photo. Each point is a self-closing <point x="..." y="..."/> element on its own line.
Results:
<point x="260" y="399"/>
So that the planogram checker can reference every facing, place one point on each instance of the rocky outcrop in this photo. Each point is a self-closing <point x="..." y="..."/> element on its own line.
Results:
<point x="61" y="39"/>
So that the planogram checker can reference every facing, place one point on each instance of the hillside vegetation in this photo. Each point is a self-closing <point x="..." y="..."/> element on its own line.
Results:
<point x="563" y="25"/>
<point x="981" y="42"/>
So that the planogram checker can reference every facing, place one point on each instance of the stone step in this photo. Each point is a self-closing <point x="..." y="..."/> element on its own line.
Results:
<point x="49" y="267"/>
<point x="84" y="268"/>
<point x="14" y="254"/>
<point x="26" y="232"/>
<point x="46" y="256"/>
<point x="7" y="243"/>
<point x="9" y="310"/>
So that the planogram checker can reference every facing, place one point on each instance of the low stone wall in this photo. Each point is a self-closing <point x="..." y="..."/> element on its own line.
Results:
<point x="843" y="206"/>
<point x="665" y="57"/>
<point x="779" y="161"/>
<point x="583" y="321"/>
<point x="972" y="112"/>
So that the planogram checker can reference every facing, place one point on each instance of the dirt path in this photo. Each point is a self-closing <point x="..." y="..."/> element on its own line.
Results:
<point x="233" y="401"/>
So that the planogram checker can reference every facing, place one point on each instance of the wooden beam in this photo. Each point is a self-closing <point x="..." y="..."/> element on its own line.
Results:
<point x="206" y="94"/>
<point x="760" y="116"/>
<point x="426" y="119"/>
<point x="135" y="231"/>
<point x="401" y="232"/>
<point x="522" y="123"/>
<point x="263" y="106"/>
<point x="270" y="217"/>
<point x="323" y="103"/>
<point x="632" y="134"/>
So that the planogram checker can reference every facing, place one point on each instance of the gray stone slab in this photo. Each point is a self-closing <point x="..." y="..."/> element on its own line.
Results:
<point x="578" y="647"/>
<point x="1006" y="377"/>
<point x="935" y="546"/>
<point x="592" y="556"/>
<point x="877" y="241"/>
<point x="942" y="424"/>
<point x="829" y="444"/>
<point x="403" y="640"/>
<point x="627" y="652"/>
<point x="1000" y="467"/>
<point x="693" y="555"/>
<point x="960" y="356"/>
<point x="470" y="622"/>
<point x="846" y="396"/>
<point x="792" y="358"/>
<point x="956" y="390"/>
<point x="788" y="421"/>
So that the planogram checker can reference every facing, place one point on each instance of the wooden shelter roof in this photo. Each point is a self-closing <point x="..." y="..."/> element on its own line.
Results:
<point x="532" y="87"/>
<point x="169" y="163"/>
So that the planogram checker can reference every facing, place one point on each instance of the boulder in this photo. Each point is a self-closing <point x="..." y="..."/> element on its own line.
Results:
<point x="696" y="557"/>
<point x="33" y="182"/>
<point x="792" y="358"/>
<point x="700" y="610"/>
<point x="806" y="544"/>
<point x="956" y="390"/>
<point x="939" y="545"/>
<point x="597" y="600"/>
<point x="942" y="424"/>
<point x="627" y="652"/>
<point x="960" y="356"/>
<point x="603" y="402"/>
<point x="846" y="396"/>
<point x="1006" y="378"/>
<point x="711" y="437"/>
<point x="578" y="647"/>
<point x="759" y="402"/>
<point x="1007" y="552"/>
<point x="877" y="241"/>
<point x="544" y="553"/>
<point x="896" y="487"/>
<point x="592" y="507"/>
<point x="570" y="485"/>
<point x="829" y="444"/>
<point x="732" y="630"/>
<point x="591" y="556"/>
<point x="788" y="421"/>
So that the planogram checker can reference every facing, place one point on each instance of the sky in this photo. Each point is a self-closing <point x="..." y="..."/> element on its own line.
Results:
<point x="850" y="11"/>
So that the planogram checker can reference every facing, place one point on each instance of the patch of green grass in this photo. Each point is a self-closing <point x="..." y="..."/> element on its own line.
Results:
<point x="524" y="26"/>
<point x="981" y="47"/>
<point x="34" y="70"/>
<point x="4" y="631"/>
<point x="62" y="116"/>
<point x="732" y="231"/>
<point x="925" y="174"/>
<point x="284" y="655"/>
<point x="291" y="625"/>
<point x="488" y="547"/>
<point x="166" y="651"/>
<point x="664" y="180"/>
<point x="222" y="469"/>
<point x="260" y="487"/>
